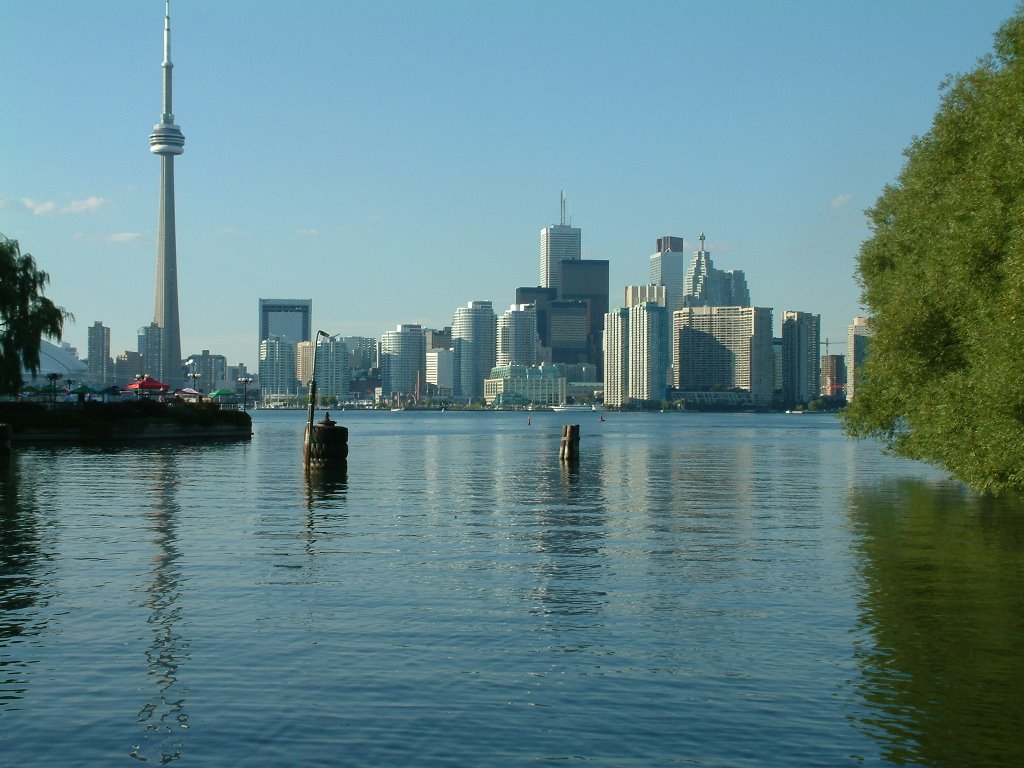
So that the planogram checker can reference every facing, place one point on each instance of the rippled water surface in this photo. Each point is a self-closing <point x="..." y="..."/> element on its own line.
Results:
<point x="719" y="590"/>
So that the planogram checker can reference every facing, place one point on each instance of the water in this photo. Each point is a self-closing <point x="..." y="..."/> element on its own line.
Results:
<point x="714" y="590"/>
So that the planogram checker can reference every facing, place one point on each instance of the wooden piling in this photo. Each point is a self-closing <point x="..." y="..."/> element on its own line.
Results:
<point x="569" y="450"/>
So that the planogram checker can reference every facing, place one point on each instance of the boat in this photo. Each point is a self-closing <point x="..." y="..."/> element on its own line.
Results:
<point x="573" y="407"/>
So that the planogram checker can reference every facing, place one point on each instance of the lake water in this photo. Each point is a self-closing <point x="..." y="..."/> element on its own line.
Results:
<point x="701" y="589"/>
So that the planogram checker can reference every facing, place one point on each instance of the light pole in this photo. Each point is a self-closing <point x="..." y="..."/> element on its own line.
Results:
<point x="245" y="381"/>
<point x="312" y="378"/>
<point x="138" y="380"/>
<point x="193" y="375"/>
<point x="54" y="378"/>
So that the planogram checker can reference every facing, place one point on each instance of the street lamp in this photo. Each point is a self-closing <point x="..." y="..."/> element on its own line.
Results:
<point x="312" y="377"/>
<point x="245" y="381"/>
<point x="54" y="378"/>
<point x="193" y="374"/>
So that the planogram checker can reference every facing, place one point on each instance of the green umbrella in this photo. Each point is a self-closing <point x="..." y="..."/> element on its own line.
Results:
<point x="222" y="392"/>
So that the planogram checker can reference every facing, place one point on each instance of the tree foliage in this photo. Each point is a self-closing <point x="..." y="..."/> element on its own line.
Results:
<point x="26" y="315"/>
<point x="943" y="278"/>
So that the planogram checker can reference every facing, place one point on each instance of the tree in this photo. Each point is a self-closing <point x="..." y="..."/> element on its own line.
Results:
<point x="942" y="276"/>
<point x="26" y="315"/>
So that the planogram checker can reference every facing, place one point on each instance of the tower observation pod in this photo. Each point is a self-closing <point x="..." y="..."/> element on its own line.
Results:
<point x="167" y="138"/>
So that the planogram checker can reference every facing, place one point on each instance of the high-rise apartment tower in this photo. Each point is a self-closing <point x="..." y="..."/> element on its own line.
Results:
<point x="858" y="336"/>
<point x="801" y="360"/>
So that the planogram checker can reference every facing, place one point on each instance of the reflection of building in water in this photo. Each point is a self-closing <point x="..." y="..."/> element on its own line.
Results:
<point x="568" y="535"/>
<point x="164" y="716"/>
<point x="941" y="663"/>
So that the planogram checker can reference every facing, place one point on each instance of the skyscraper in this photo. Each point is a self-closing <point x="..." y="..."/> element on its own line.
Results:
<point x="833" y="375"/>
<point x="858" y="337"/>
<point x="517" y="336"/>
<point x="540" y="297"/>
<point x="558" y="243"/>
<point x="474" y="338"/>
<point x="101" y="367"/>
<point x="616" y="358"/>
<point x="587" y="280"/>
<point x="288" y="318"/>
<point x="638" y="294"/>
<point x="569" y="331"/>
<point x="167" y="141"/>
<point x="668" y="269"/>
<point x="650" y="339"/>
<point x="801" y="362"/>
<point x="705" y="286"/>
<point x="277" y="367"/>
<point x="304" y="356"/>
<point x="724" y="347"/>
<point x="402" y="362"/>
<point x="332" y="371"/>
<point x="151" y="346"/>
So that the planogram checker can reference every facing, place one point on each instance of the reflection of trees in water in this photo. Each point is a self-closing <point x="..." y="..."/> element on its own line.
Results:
<point x="164" y="715"/>
<point x="943" y="600"/>
<point x="22" y="557"/>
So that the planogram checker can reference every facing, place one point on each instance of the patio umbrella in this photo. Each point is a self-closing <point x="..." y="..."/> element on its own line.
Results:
<point x="83" y="389"/>
<point x="146" y="383"/>
<point x="222" y="393"/>
<point x="189" y="391"/>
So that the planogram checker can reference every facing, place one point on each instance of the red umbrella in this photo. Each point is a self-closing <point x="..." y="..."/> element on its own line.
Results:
<point x="147" y="383"/>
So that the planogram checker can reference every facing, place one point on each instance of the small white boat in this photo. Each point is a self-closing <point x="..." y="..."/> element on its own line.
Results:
<point x="573" y="407"/>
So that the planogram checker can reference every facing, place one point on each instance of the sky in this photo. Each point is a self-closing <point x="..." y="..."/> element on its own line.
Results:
<point x="393" y="161"/>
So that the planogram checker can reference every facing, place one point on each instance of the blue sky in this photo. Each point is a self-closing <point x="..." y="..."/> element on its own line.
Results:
<point x="394" y="160"/>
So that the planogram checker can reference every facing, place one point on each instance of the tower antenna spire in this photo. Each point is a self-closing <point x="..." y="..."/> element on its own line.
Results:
<point x="563" y="207"/>
<point x="168" y="114"/>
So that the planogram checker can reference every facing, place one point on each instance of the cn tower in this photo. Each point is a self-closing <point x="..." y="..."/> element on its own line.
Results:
<point x="167" y="141"/>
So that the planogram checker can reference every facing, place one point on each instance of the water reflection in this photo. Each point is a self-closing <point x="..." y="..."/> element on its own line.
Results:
<point x="164" y="715"/>
<point x="22" y="554"/>
<point x="943" y="605"/>
<point x="326" y="486"/>
<point x="326" y="490"/>
<point x="568" y="530"/>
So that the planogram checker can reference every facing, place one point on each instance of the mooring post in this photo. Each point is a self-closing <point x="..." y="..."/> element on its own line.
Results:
<point x="326" y="445"/>
<point x="569" y="450"/>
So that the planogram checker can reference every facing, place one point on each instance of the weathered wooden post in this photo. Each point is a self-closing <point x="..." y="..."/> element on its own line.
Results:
<point x="569" y="450"/>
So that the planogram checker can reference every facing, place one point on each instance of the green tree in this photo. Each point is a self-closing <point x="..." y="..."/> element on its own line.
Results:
<point x="943" y="279"/>
<point x="26" y="315"/>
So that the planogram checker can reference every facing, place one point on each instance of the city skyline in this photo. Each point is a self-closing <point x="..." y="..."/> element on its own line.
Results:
<point x="399" y="187"/>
